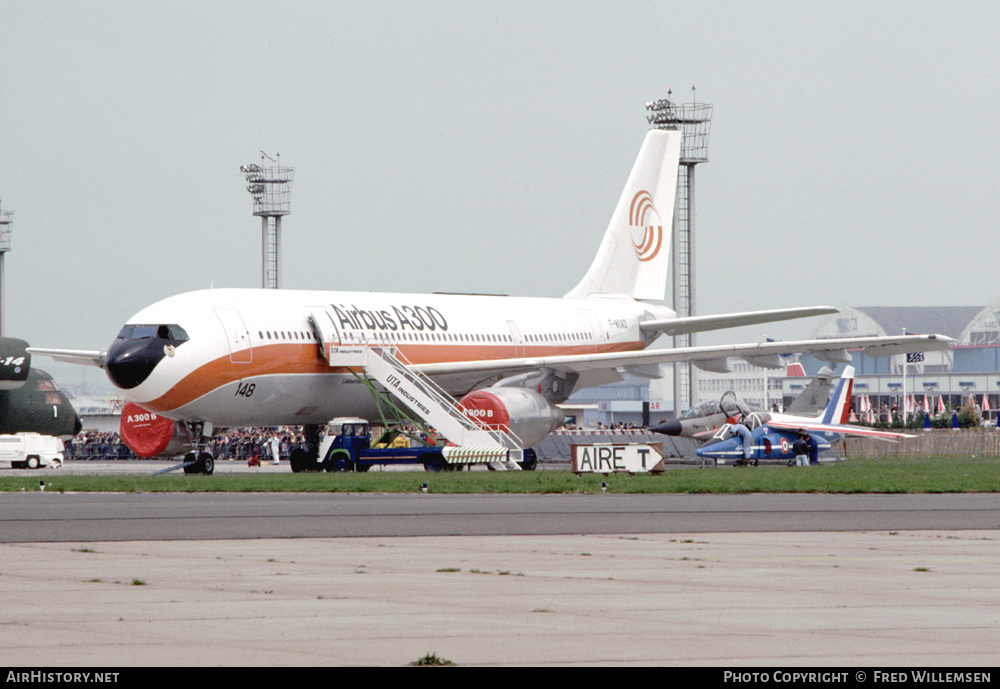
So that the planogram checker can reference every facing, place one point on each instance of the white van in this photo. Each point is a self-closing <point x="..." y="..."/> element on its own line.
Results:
<point x="31" y="451"/>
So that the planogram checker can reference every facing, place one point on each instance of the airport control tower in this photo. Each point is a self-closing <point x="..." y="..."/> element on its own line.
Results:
<point x="6" y="222"/>
<point x="694" y="120"/>
<point x="271" y="189"/>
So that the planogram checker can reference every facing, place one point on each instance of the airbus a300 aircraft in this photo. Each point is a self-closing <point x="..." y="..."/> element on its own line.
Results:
<point x="255" y="357"/>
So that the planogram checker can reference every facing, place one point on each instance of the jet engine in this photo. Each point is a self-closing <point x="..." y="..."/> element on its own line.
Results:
<point x="150" y="435"/>
<point x="520" y="411"/>
<point x="15" y="362"/>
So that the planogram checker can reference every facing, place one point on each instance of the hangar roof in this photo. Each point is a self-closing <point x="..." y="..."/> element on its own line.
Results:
<point x="890" y="320"/>
<point x="922" y="320"/>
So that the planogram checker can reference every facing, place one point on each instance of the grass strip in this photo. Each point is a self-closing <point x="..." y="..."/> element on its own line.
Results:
<point x="884" y="475"/>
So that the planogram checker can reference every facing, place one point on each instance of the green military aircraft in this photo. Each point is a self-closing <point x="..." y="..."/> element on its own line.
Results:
<point x="30" y="400"/>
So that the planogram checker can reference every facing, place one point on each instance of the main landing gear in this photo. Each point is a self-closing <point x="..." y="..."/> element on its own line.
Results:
<point x="307" y="458"/>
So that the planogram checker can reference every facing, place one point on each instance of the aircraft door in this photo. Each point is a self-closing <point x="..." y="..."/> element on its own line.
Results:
<point x="596" y="330"/>
<point x="329" y="333"/>
<point x="325" y="328"/>
<point x="240" y="349"/>
<point x="515" y="333"/>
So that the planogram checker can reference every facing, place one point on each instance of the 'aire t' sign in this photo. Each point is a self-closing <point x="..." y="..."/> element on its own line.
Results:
<point x="609" y="458"/>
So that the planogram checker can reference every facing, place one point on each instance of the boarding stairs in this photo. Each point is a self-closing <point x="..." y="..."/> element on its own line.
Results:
<point x="383" y="363"/>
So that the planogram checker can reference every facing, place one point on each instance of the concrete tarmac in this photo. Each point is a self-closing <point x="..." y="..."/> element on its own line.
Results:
<point x="889" y="599"/>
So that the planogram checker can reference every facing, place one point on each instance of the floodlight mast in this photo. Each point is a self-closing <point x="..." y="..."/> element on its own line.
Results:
<point x="6" y="227"/>
<point x="271" y="189"/>
<point x="694" y="120"/>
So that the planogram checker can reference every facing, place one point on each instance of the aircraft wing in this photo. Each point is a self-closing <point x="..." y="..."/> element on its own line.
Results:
<point x="696" y="324"/>
<point x="585" y="363"/>
<point x="843" y="429"/>
<point x="72" y="356"/>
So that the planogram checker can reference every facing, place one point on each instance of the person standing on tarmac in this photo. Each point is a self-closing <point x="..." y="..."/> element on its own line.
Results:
<point x="275" y="449"/>
<point x="800" y="448"/>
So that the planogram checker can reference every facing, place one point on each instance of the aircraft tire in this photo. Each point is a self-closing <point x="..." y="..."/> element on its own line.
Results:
<point x="193" y="469"/>
<point x="298" y="460"/>
<point x="206" y="463"/>
<point x="530" y="461"/>
<point x="435" y="463"/>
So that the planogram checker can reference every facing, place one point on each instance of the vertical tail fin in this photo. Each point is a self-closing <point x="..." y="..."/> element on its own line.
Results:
<point x="815" y="396"/>
<point x="839" y="408"/>
<point x="634" y="256"/>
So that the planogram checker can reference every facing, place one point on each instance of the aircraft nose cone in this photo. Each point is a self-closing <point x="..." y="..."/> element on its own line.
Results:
<point x="672" y="427"/>
<point x="129" y="362"/>
<point x="716" y="450"/>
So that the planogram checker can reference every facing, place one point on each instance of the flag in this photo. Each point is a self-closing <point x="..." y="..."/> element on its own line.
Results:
<point x="986" y="403"/>
<point x="867" y="408"/>
<point x="914" y="357"/>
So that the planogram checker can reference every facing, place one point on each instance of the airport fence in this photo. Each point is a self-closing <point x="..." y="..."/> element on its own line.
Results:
<point x="965" y="442"/>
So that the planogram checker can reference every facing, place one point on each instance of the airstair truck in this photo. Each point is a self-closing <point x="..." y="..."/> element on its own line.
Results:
<point x="31" y="450"/>
<point x="348" y="447"/>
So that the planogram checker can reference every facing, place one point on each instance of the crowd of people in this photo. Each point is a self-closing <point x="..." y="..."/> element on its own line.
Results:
<point x="620" y="426"/>
<point x="233" y="444"/>
<point x="95" y="445"/>
<point x="241" y="444"/>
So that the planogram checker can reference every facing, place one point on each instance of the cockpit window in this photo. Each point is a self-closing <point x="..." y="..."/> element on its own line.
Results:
<point x="703" y="409"/>
<point x="175" y="333"/>
<point x="732" y="405"/>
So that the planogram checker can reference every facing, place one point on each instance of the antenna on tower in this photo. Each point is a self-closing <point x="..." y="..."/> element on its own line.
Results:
<point x="271" y="189"/>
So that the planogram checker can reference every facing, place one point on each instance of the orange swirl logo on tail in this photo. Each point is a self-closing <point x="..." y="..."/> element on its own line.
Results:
<point x="647" y="229"/>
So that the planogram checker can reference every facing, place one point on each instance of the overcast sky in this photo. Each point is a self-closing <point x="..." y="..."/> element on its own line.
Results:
<point x="482" y="146"/>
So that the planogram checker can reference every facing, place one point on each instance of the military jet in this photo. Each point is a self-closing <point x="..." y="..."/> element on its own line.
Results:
<point x="30" y="400"/>
<point x="774" y="439"/>
<point x="704" y="420"/>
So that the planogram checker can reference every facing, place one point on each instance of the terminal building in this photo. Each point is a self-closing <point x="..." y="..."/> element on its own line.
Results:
<point x="968" y="371"/>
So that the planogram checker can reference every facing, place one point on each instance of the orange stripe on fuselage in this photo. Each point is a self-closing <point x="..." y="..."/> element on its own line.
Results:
<point x="267" y="360"/>
<point x="302" y="359"/>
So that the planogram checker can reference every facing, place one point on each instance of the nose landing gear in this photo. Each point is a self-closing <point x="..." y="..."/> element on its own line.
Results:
<point x="199" y="463"/>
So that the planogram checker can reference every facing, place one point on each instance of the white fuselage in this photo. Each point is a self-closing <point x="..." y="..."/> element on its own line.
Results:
<point x="253" y="357"/>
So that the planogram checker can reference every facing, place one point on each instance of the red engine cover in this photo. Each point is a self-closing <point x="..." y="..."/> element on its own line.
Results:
<point x="519" y="411"/>
<point x="146" y="433"/>
<point x="486" y="409"/>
